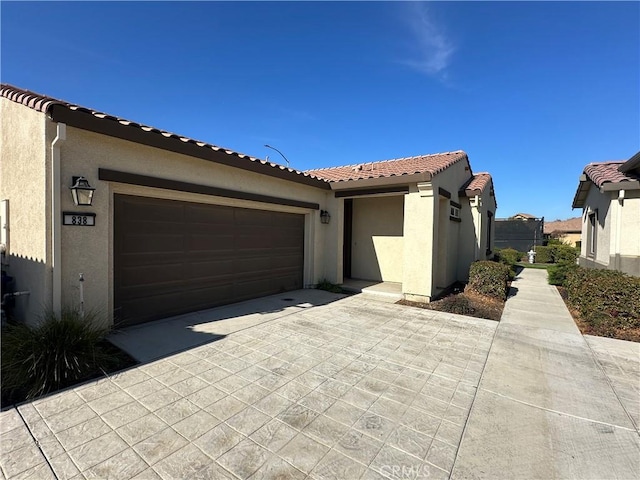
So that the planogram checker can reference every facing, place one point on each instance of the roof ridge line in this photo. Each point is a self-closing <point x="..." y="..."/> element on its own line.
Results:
<point x="385" y="161"/>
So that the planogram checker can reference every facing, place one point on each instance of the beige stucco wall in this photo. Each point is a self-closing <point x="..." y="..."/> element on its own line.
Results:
<point x="570" y="238"/>
<point x="630" y="223"/>
<point x="437" y="250"/>
<point x="487" y="205"/>
<point x="89" y="250"/>
<point x="24" y="165"/>
<point x="468" y="239"/>
<point x="377" y="238"/>
<point x="419" y="242"/>
<point x="602" y="202"/>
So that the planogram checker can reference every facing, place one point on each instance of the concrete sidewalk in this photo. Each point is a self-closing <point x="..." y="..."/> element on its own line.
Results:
<point x="545" y="406"/>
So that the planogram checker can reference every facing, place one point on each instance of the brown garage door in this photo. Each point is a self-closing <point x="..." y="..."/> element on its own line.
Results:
<point x="173" y="257"/>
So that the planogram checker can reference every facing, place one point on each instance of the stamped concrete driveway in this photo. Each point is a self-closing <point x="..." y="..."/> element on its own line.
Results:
<point x="350" y="389"/>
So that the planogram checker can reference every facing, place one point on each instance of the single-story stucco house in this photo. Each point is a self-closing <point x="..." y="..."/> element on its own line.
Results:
<point x="178" y="225"/>
<point x="568" y="231"/>
<point x="609" y="196"/>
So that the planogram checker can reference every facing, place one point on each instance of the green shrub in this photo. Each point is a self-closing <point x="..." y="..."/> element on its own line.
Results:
<point x="604" y="295"/>
<point x="543" y="255"/>
<point x="489" y="278"/>
<point x="59" y="352"/>
<point x="509" y="256"/>
<point x="558" y="273"/>
<point x="563" y="253"/>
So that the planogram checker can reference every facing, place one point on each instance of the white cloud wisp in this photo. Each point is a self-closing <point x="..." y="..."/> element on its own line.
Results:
<point x="434" y="50"/>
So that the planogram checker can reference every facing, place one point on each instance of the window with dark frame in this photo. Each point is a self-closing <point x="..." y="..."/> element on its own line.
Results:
<point x="489" y="222"/>
<point x="592" y="234"/>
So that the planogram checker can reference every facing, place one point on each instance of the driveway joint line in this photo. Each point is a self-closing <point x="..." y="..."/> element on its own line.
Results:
<point x="565" y="414"/>
<point x="37" y="443"/>
<point x="473" y="403"/>
<point x="601" y="368"/>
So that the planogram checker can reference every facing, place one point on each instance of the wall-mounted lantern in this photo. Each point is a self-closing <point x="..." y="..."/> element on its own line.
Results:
<point x="324" y="216"/>
<point x="81" y="191"/>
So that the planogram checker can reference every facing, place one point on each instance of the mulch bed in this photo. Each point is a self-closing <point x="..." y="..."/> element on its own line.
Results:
<point x="464" y="303"/>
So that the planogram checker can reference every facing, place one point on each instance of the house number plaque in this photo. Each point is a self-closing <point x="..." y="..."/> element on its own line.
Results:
<point x="79" y="219"/>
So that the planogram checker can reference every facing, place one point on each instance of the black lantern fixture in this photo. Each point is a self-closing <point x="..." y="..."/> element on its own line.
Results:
<point x="324" y="216"/>
<point x="81" y="191"/>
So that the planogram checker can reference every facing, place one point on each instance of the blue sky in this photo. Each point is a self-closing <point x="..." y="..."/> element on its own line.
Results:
<point x="531" y="91"/>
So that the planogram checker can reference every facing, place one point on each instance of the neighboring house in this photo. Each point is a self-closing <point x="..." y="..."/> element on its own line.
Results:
<point x="521" y="232"/>
<point x="523" y="216"/>
<point x="567" y="231"/>
<point x="179" y="225"/>
<point x="609" y="196"/>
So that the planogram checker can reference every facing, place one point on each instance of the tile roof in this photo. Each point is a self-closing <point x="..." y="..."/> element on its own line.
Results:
<point x="602" y="172"/>
<point x="564" y="226"/>
<point x="477" y="184"/>
<point x="45" y="104"/>
<point x="433" y="164"/>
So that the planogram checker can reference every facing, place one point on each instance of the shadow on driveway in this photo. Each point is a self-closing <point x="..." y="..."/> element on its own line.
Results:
<point x="161" y="338"/>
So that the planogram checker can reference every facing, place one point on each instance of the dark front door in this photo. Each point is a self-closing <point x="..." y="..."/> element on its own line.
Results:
<point x="173" y="257"/>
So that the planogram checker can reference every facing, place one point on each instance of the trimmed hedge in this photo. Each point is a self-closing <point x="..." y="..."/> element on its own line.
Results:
<point x="543" y="255"/>
<point x="509" y="256"/>
<point x="558" y="273"/>
<point x="605" y="298"/>
<point x="489" y="278"/>
<point x="564" y="254"/>
<point x="556" y="253"/>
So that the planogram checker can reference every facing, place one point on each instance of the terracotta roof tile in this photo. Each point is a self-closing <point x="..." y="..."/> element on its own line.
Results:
<point x="477" y="184"/>
<point x="601" y="173"/>
<point x="433" y="164"/>
<point x="604" y="172"/>
<point x="43" y="104"/>
<point x="564" y="226"/>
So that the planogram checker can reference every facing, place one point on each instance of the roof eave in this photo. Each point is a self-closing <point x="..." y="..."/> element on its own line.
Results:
<point x="154" y="138"/>
<point x="615" y="186"/>
<point x="581" y="194"/>
<point x="631" y="164"/>
<point x="381" y="181"/>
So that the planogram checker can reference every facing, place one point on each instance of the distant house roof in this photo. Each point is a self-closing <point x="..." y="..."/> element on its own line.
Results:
<point x="607" y="176"/>
<point x="432" y="164"/>
<point x="89" y="119"/>
<point x="571" y="225"/>
<point x="527" y="216"/>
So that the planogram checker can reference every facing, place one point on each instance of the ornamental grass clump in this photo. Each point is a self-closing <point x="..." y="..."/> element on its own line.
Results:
<point x="58" y="352"/>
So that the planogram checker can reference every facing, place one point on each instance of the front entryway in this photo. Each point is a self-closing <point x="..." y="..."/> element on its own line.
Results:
<point x="373" y="238"/>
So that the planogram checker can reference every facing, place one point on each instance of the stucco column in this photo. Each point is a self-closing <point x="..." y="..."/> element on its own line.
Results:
<point x="420" y="224"/>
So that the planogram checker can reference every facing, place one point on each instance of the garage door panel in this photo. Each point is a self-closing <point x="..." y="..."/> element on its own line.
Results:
<point x="204" y="215"/>
<point x="138" y="275"/>
<point x="131" y="260"/>
<point x="253" y="218"/>
<point x="150" y="242"/>
<point x="201" y="298"/>
<point x="210" y="241"/>
<point x="173" y="257"/>
<point x="146" y="209"/>
<point x="209" y="269"/>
